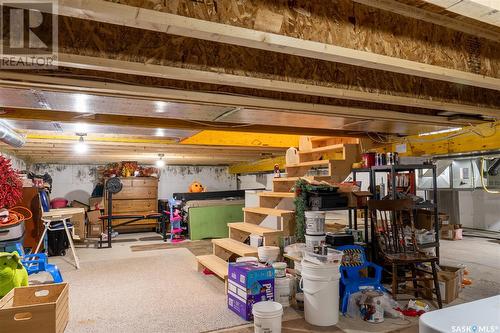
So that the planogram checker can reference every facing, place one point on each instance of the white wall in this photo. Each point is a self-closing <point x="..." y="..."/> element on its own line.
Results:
<point x="176" y="179"/>
<point x="76" y="182"/>
<point x="73" y="182"/>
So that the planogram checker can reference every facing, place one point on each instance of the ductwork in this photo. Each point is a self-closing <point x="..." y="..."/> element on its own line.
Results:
<point x="11" y="137"/>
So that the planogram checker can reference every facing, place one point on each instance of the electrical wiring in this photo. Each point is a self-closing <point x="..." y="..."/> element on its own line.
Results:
<point x="481" y="173"/>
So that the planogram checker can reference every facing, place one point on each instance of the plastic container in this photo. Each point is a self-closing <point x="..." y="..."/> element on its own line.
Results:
<point x="58" y="203"/>
<point x="283" y="290"/>
<point x="292" y="156"/>
<point x="334" y="257"/>
<point x="320" y="284"/>
<point x="255" y="240"/>
<point x="279" y="269"/>
<point x="268" y="254"/>
<point x="315" y="222"/>
<point x="267" y="317"/>
<point x="313" y="241"/>
<point x="246" y="259"/>
<point x="297" y="265"/>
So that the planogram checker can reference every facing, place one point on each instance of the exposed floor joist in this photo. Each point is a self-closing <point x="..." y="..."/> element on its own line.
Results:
<point x="104" y="11"/>
<point x="424" y="15"/>
<point x="484" y="11"/>
<point x="169" y="72"/>
<point x="8" y="79"/>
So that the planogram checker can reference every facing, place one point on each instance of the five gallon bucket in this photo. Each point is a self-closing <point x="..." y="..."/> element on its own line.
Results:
<point x="320" y="284"/>
<point x="315" y="222"/>
<point x="313" y="241"/>
<point x="282" y="290"/>
<point x="255" y="240"/>
<point x="267" y="317"/>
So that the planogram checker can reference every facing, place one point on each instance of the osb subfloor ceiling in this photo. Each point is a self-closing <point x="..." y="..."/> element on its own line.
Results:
<point x="156" y="72"/>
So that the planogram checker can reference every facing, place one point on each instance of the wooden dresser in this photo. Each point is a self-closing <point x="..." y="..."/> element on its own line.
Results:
<point x="139" y="195"/>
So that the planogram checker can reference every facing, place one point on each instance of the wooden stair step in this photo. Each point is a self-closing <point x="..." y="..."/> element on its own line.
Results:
<point x="277" y="194"/>
<point x="337" y="148"/>
<point x="254" y="229"/>
<point x="215" y="264"/>
<point x="231" y="245"/>
<point x="268" y="211"/>
<point x="309" y="164"/>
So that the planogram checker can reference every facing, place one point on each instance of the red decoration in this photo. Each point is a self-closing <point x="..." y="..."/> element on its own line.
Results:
<point x="11" y="187"/>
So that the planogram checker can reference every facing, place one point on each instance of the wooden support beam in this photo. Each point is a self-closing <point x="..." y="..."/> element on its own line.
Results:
<point x="424" y="15"/>
<point x="113" y="13"/>
<point x="186" y="74"/>
<point x="150" y="122"/>
<point x="262" y="165"/>
<point x="480" y="10"/>
<point x="27" y="81"/>
<point x="484" y="137"/>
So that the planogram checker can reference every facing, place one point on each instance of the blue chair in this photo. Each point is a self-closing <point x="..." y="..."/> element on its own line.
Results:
<point x="38" y="262"/>
<point x="353" y="261"/>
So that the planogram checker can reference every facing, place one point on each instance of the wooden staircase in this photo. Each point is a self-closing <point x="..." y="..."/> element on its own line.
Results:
<point x="335" y="158"/>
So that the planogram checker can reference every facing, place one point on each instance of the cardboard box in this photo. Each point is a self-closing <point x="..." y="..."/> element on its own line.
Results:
<point x="451" y="232"/>
<point x="248" y="283"/>
<point x="41" y="309"/>
<point x="78" y="204"/>
<point x="446" y="231"/>
<point x="425" y="219"/>
<point x="94" y="227"/>
<point x="96" y="203"/>
<point x="450" y="280"/>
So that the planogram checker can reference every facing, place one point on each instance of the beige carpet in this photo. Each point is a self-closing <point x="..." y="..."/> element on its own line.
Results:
<point x="158" y="293"/>
<point x="197" y="247"/>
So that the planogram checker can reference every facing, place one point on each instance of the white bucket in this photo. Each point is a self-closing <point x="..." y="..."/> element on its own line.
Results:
<point x="268" y="253"/>
<point x="315" y="222"/>
<point x="282" y="290"/>
<point x="246" y="259"/>
<point x="255" y="240"/>
<point x="320" y="284"/>
<point x="267" y="317"/>
<point x="279" y="269"/>
<point x="314" y="240"/>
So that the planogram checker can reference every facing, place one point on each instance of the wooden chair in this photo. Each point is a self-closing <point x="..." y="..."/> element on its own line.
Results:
<point x="395" y="238"/>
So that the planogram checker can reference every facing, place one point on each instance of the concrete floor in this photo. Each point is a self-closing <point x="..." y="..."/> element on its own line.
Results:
<point x="481" y="256"/>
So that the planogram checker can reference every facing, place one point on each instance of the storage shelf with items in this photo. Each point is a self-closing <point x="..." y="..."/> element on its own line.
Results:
<point x="401" y="181"/>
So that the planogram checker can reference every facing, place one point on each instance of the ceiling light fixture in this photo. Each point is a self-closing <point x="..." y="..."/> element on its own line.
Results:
<point x="160" y="163"/>
<point x="81" y="147"/>
<point x="448" y="130"/>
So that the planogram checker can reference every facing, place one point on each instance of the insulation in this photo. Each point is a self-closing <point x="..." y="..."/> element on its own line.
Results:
<point x="100" y="40"/>
<point x="343" y="23"/>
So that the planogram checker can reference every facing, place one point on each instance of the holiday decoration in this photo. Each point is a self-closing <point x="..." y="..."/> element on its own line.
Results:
<point x="11" y="187"/>
<point x="196" y="187"/>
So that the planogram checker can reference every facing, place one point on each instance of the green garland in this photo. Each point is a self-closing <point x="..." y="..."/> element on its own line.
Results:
<point x="300" y="208"/>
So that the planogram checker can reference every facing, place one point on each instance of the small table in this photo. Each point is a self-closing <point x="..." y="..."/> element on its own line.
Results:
<point x="478" y="316"/>
<point x="64" y="218"/>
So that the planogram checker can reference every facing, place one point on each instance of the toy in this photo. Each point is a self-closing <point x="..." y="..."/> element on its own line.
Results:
<point x="196" y="187"/>
<point x="277" y="173"/>
<point x="12" y="272"/>
<point x="38" y="262"/>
